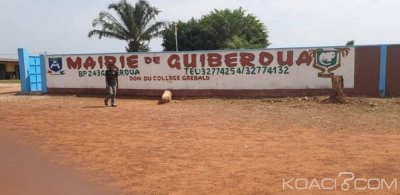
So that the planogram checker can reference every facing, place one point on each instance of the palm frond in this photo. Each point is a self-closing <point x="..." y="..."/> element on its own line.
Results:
<point x="124" y="13"/>
<point x="110" y="22"/>
<point x="102" y="33"/>
<point x="130" y="23"/>
<point x="153" y="31"/>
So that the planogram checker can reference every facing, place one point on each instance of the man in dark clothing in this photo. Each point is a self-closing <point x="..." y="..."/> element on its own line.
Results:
<point x="111" y="84"/>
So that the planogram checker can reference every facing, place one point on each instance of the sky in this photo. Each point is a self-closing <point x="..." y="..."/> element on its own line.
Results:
<point x="61" y="26"/>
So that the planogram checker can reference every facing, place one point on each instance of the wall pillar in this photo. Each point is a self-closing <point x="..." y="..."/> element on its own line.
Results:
<point x="382" y="71"/>
<point x="23" y="58"/>
<point x="43" y="73"/>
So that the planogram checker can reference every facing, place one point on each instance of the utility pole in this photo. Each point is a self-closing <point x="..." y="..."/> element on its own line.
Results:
<point x="176" y="36"/>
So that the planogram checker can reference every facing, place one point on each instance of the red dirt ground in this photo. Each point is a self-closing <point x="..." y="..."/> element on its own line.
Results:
<point x="24" y="171"/>
<point x="212" y="146"/>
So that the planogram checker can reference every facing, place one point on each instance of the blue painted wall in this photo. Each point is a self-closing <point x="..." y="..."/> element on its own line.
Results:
<point x="23" y="57"/>
<point x="382" y="70"/>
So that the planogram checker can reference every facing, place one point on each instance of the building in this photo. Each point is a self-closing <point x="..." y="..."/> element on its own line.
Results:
<point x="9" y="69"/>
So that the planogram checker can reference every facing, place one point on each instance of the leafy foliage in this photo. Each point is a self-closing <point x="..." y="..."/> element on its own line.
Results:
<point x="131" y="23"/>
<point x="221" y="29"/>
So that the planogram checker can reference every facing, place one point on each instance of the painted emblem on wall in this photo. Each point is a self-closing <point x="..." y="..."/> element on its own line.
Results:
<point x="56" y="66"/>
<point x="328" y="60"/>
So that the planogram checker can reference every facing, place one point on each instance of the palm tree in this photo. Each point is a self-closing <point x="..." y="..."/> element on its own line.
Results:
<point x="132" y="24"/>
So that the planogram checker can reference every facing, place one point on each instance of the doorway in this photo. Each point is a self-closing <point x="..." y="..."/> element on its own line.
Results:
<point x="3" y="73"/>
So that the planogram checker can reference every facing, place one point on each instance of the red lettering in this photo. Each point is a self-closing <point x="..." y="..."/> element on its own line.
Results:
<point x="203" y="60"/>
<point x="231" y="60"/>
<point x="246" y="59"/>
<point x="289" y="58"/>
<point x="110" y="60"/>
<point x="147" y="60"/>
<point x="266" y="58"/>
<point x="100" y="61"/>
<point x="214" y="59"/>
<point x="173" y="61"/>
<point x="157" y="60"/>
<point x="304" y="58"/>
<point x="77" y="64"/>
<point x="132" y="61"/>
<point x="122" y="60"/>
<point x="89" y="62"/>
<point x="192" y="62"/>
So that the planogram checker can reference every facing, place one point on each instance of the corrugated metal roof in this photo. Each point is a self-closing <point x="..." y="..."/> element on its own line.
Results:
<point x="8" y="60"/>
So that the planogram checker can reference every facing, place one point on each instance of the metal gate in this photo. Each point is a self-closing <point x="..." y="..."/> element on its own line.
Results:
<point x="32" y="72"/>
<point x="35" y="77"/>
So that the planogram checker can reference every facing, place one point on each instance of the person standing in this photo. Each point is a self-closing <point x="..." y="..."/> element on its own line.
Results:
<point x="111" y="84"/>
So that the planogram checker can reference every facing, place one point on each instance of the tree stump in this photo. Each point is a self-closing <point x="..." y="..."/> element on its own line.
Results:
<point x="337" y="94"/>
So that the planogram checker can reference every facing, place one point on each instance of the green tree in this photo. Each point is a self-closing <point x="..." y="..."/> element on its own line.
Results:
<point x="221" y="29"/>
<point x="191" y="36"/>
<point x="133" y="24"/>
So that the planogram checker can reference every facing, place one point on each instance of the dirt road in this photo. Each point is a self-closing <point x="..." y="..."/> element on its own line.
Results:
<point x="23" y="171"/>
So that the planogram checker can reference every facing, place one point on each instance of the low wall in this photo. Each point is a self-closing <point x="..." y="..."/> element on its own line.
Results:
<point x="366" y="77"/>
<point x="367" y="71"/>
<point x="198" y="92"/>
<point x="393" y="71"/>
